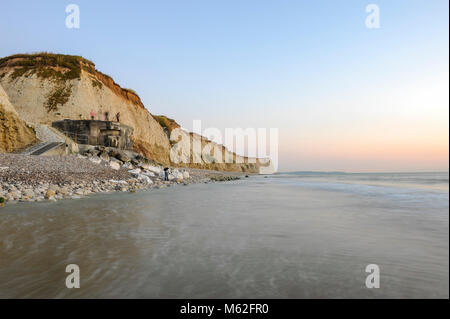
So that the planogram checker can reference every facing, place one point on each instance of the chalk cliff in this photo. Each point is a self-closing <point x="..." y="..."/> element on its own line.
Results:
<point x="47" y="87"/>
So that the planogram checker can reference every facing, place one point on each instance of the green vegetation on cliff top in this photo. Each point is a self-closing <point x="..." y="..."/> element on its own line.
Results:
<point x="166" y="123"/>
<point x="58" y="67"/>
<point x="61" y="68"/>
<point x="48" y="65"/>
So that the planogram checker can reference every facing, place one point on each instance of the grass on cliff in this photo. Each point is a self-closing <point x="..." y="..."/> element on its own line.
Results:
<point x="45" y="65"/>
<point x="44" y="59"/>
<point x="166" y="123"/>
<point x="96" y="83"/>
<point x="59" y="96"/>
<point x="130" y="90"/>
<point x="61" y="68"/>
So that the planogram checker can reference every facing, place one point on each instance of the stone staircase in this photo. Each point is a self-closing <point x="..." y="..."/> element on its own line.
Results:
<point x="49" y="137"/>
<point x="48" y="134"/>
<point x="41" y="148"/>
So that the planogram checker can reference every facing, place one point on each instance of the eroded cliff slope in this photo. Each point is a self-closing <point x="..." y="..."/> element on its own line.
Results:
<point x="14" y="133"/>
<point x="46" y="87"/>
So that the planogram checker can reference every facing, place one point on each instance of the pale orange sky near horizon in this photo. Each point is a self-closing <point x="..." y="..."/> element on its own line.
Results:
<point x="392" y="115"/>
<point x="406" y="129"/>
<point x="402" y="125"/>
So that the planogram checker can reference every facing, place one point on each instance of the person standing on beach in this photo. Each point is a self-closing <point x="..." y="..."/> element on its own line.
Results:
<point x="166" y="173"/>
<point x="106" y="116"/>
<point x="118" y="116"/>
<point x="92" y="115"/>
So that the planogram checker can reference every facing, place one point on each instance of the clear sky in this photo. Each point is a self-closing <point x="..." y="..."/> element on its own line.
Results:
<point x="343" y="96"/>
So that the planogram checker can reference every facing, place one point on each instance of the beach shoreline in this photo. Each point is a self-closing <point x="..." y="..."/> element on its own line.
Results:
<point x="26" y="178"/>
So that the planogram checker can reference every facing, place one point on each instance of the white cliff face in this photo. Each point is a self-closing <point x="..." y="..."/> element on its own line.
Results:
<point x="193" y="148"/>
<point x="30" y="94"/>
<point x="268" y="168"/>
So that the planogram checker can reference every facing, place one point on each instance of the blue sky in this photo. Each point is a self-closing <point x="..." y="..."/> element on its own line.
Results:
<point x="310" y="68"/>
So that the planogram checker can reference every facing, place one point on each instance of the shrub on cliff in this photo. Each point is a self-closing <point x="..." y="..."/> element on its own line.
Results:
<point x="47" y="65"/>
<point x="167" y="124"/>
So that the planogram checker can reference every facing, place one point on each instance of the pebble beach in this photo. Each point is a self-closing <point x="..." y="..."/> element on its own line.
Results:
<point x="25" y="178"/>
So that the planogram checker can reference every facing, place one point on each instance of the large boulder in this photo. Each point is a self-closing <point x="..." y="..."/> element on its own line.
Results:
<point x="121" y="156"/>
<point x="178" y="175"/>
<point x="95" y="160"/>
<point x="114" y="165"/>
<point x="104" y="156"/>
<point x="152" y="168"/>
<point x="50" y="194"/>
<point x="148" y="173"/>
<point x="92" y="152"/>
<point x="145" y="179"/>
<point x="135" y="172"/>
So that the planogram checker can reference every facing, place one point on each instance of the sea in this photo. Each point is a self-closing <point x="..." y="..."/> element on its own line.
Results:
<point x="288" y="235"/>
